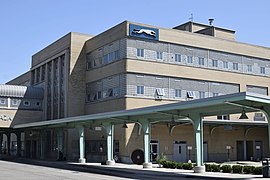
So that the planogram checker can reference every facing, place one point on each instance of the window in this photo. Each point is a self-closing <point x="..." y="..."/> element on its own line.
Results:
<point x="214" y="63"/>
<point x="177" y="57"/>
<point x="109" y="92"/>
<point x="215" y="94"/>
<point x="235" y="66"/>
<point x="223" y="117"/>
<point x="140" y="52"/>
<point x="99" y="95"/>
<point x="249" y="68"/>
<point x="178" y="93"/>
<point x="191" y="94"/>
<point x="2" y="101"/>
<point x="26" y="103"/>
<point x="225" y="65"/>
<point x="115" y="91"/>
<point x="140" y="89"/>
<point x="159" y="55"/>
<point x="110" y="57"/>
<point x="201" y="94"/>
<point x="190" y="59"/>
<point x="105" y="59"/>
<point x="201" y="61"/>
<point x="116" y="55"/>
<point x="262" y="70"/>
<point x="14" y="102"/>
<point x="160" y="92"/>
<point x="37" y="104"/>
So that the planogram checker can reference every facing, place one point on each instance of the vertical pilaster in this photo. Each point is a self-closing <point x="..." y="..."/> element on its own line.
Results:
<point x="110" y="132"/>
<point x="60" y="136"/>
<point x="198" y="134"/>
<point x="8" y="143"/>
<point x="82" y="144"/>
<point x="19" y="143"/>
<point x="1" y="143"/>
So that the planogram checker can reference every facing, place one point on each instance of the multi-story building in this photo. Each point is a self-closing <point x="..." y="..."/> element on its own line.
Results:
<point x="134" y="65"/>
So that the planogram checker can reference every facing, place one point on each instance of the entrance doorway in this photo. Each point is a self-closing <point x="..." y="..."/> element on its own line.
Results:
<point x="154" y="150"/>
<point x="253" y="150"/>
<point x="180" y="151"/>
<point x="258" y="150"/>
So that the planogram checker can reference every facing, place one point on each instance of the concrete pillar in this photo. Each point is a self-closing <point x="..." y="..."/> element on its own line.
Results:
<point x="8" y="143"/>
<point x="60" y="141"/>
<point x="110" y="132"/>
<point x="1" y="143"/>
<point x="146" y="126"/>
<point x="42" y="144"/>
<point x="19" y="144"/>
<point x="82" y="144"/>
<point x="198" y="133"/>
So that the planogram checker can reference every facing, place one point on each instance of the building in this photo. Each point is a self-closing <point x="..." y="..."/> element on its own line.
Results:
<point x="133" y="66"/>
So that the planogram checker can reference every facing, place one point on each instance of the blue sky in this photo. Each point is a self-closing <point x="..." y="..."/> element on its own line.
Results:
<point x="30" y="25"/>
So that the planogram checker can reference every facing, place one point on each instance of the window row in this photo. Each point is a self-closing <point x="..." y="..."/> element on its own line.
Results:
<point x="178" y="93"/>
<point x="106" y="59"/>
<point x="178" y="58"/>
<point x="111" y="92"/>
<point x="17" y="102"/>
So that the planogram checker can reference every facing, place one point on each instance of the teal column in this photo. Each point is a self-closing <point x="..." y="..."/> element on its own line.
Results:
<point x="147" y="133"/>
<point x="60" y="136"/>
<point x="110" y="132"/>
<point x="198" y="133"/>
<point x="266" y="111"/>
<point x="82" y="144"/>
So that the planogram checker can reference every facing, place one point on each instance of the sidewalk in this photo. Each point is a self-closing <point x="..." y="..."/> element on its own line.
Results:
<point x="187" y="173"/>
<point x="132" y="170"/>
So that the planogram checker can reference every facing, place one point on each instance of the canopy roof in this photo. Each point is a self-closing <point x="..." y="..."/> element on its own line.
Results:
<point x="180" y="111"/>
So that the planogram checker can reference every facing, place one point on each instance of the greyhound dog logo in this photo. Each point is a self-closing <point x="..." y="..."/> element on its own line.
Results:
<point x="144" y="31"/>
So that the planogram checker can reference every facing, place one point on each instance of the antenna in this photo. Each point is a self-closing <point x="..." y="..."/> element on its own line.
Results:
<point x="191" y="17"/>
<point x="211" y="21"/>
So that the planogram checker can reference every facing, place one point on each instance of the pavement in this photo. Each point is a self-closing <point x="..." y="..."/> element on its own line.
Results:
<point x="131" y="171"/>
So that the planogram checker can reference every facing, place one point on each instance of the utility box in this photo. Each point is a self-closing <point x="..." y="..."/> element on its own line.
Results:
<point x="266" y="167"/>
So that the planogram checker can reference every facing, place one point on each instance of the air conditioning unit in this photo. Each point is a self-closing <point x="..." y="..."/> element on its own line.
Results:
<point x="158" y="97"/>
<point x="259" y="117"/>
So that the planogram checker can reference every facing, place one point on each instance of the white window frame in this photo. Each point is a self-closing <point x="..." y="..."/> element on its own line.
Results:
<point x="249" y="68"/>
<point x="215" y="94"/>
<point x="214" y="63"/>
<point x="225" y="64"/>
<point x="140" y="90"/>
<point x="177" y="58"/>
<point x="159" y="55"/>
<point x="201" y="94"/>
<point x="201" y="61"/>
<point x="189" y="59"/>
<point x="235" y="66"/>
<point x="177" y="93"/>
<point x="140" y="52"/>
<point x="2" y="101"/>
<point x="14" y="102"/>
<point x="262" y="70"/>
